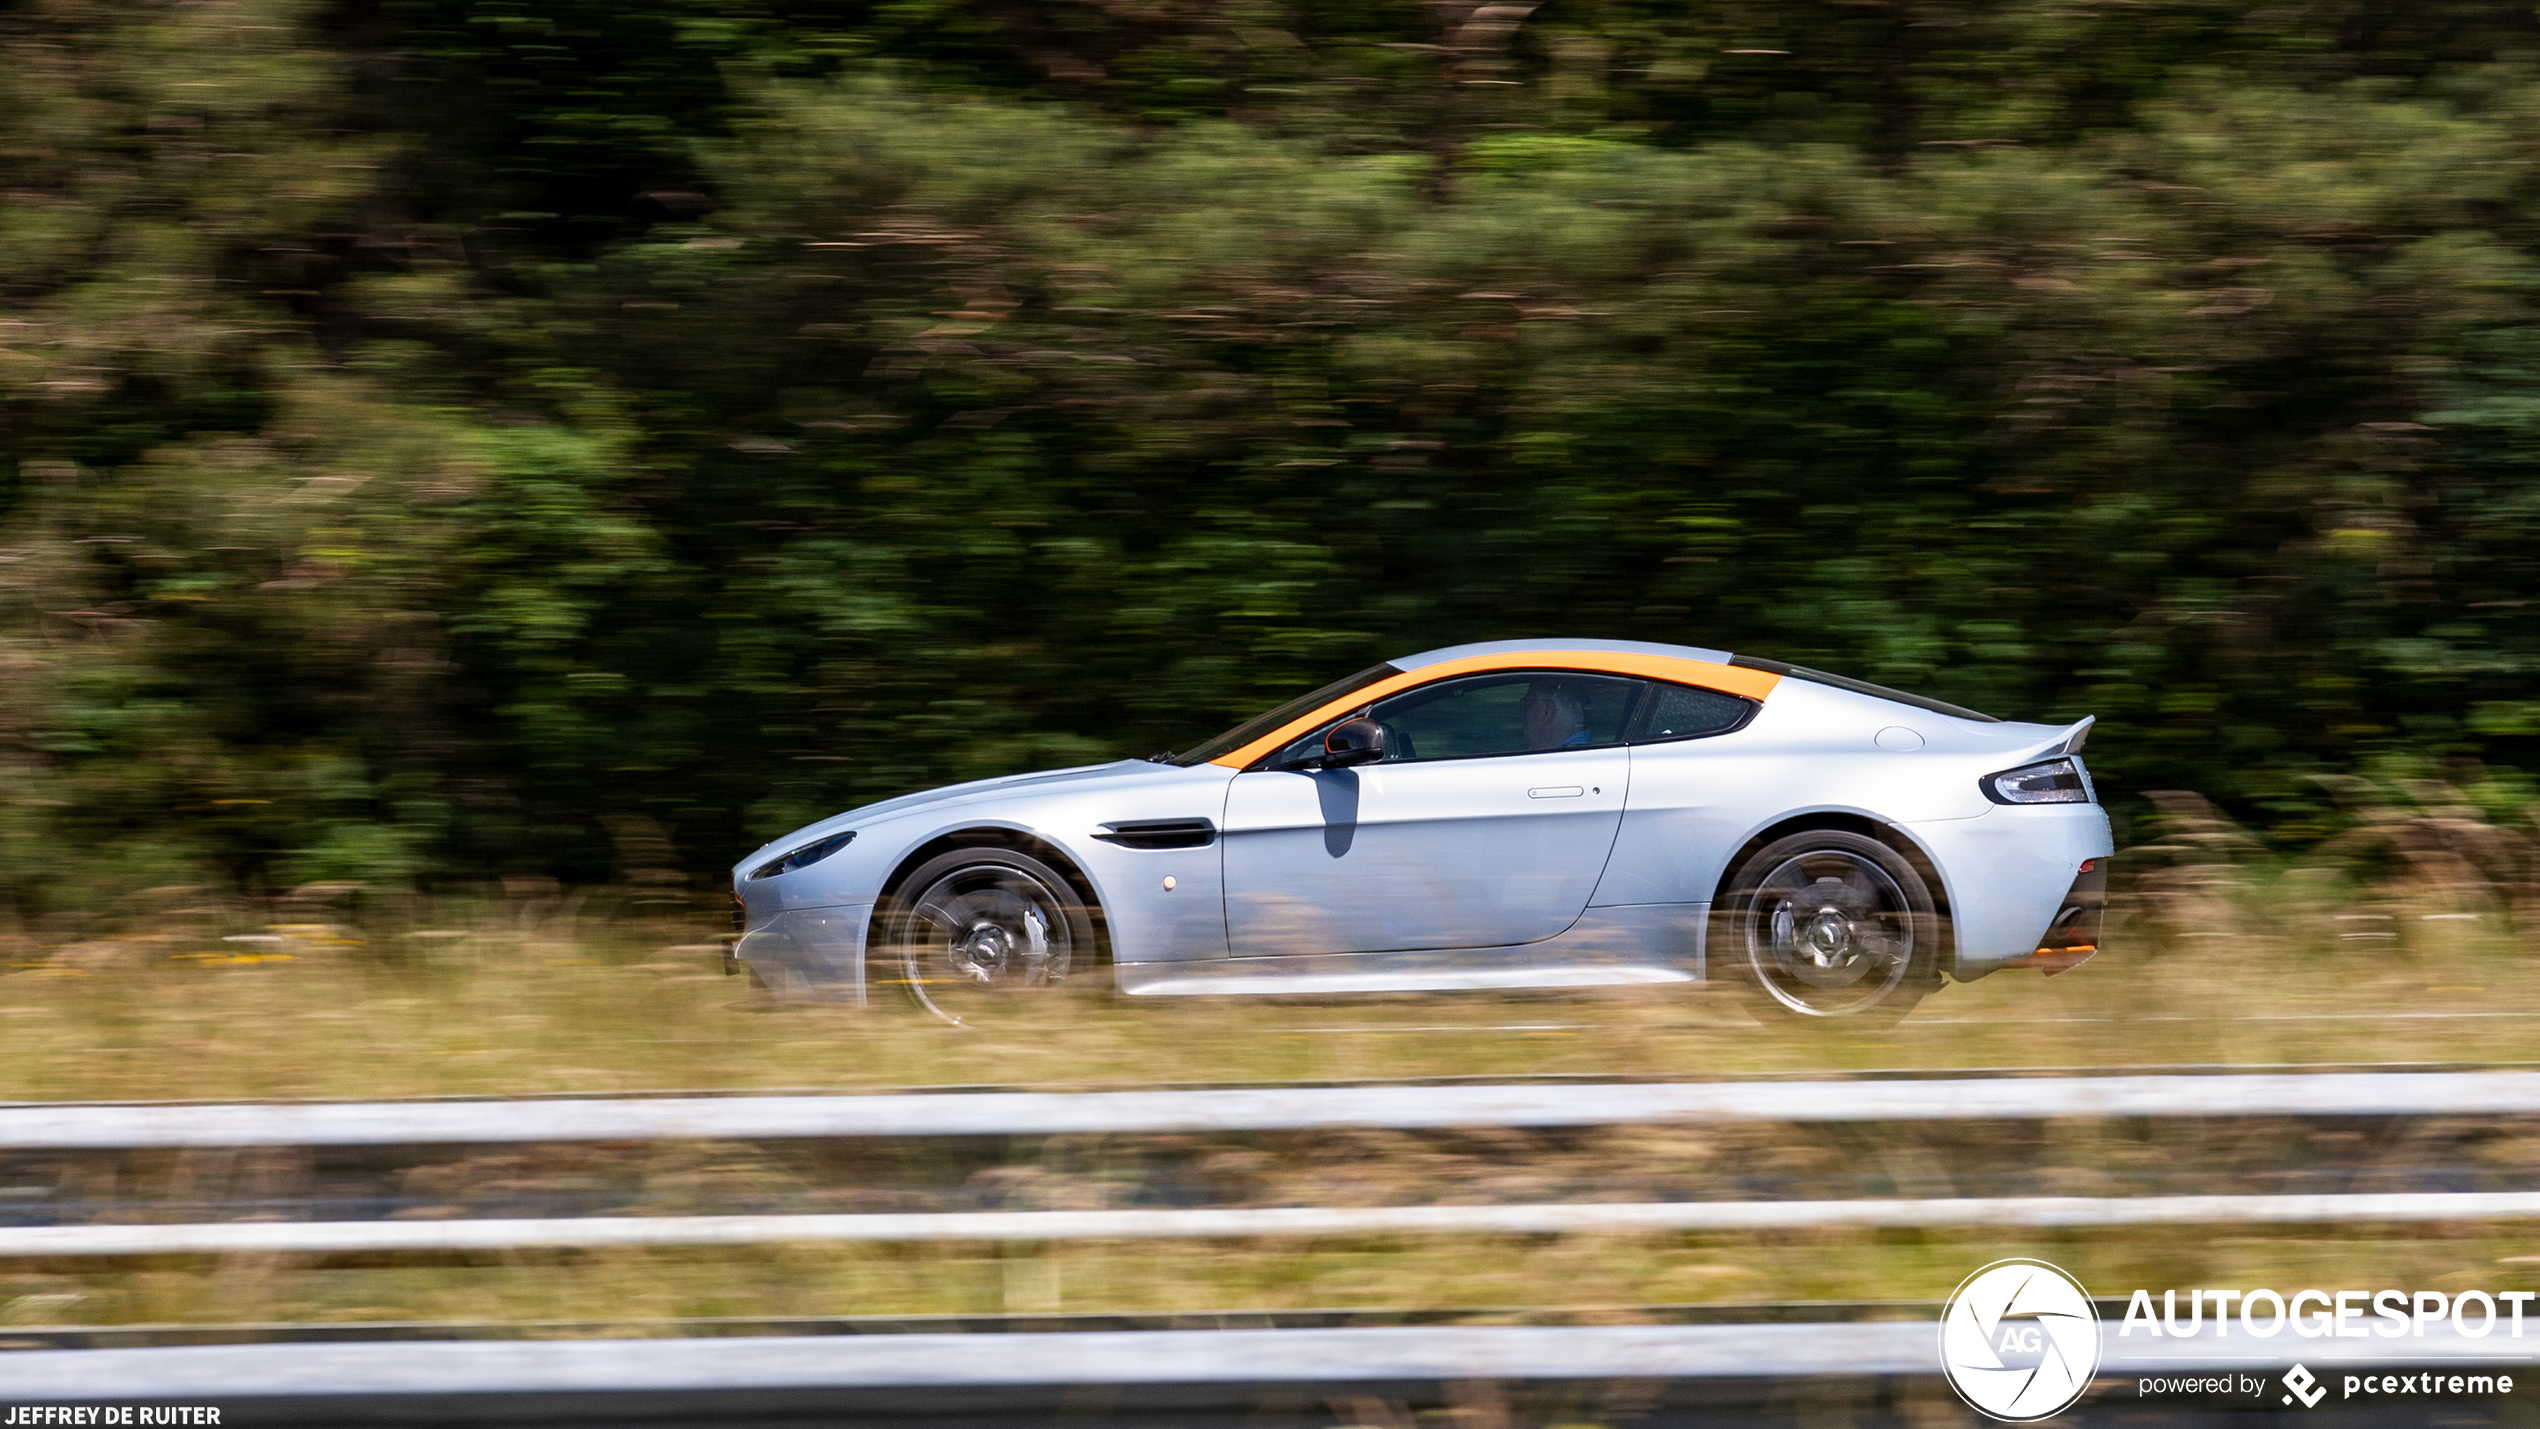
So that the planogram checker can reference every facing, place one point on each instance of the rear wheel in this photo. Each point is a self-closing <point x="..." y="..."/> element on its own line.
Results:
<point x="979" y="934"/>
<point x="1826" y="924"/>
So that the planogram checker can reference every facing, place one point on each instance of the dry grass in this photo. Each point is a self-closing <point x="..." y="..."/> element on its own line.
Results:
<point x="1577" y="1273"/>
<point x="540" y="1002"/>
<point x="2397" y="947"/>
<point x="2395" y="942"/>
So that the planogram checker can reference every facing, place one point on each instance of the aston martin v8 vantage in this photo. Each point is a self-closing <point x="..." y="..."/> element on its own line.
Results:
<point x="1518" y="814"/>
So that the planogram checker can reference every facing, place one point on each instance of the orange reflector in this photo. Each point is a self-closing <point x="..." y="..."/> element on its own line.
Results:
<point x="2088" y="864"/>
<point x="2061" y="960"/>
<point x="2055" y="960"/>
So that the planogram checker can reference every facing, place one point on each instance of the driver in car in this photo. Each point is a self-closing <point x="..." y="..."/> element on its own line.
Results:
<point x="1554" y="717"/>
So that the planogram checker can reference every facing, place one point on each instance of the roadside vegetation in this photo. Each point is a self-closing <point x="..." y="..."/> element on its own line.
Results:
<point x="2401" y="941"/>
<point x="2403" y="955"/>
<point x="469" y="471"/>
<point x="446" y="442"/>
<point x="1618" y="1279"/>
<point x="541" y="1002"/>
<point x="537" y="1003"/>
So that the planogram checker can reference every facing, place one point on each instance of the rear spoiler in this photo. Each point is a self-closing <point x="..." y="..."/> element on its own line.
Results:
<point x="2067" y="740"/>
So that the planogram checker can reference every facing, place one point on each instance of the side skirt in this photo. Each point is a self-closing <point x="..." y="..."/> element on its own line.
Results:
<point x="1607" y="947"/>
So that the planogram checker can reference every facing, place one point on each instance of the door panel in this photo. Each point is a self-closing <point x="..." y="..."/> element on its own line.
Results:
<point x="1449" y="853"/>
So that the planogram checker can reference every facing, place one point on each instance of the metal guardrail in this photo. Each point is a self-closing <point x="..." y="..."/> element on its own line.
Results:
<point x="2030" y="1212"/>
<point x="1030" y="1373"/>
<point x="1229" y="1360"/>
<point x="163" y="1334"/>
<point x="1389" y="1355"/>
<point x="31" y="1127"/>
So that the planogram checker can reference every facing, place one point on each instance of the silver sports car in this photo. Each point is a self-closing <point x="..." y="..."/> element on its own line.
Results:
<point x="1519" y="814"/>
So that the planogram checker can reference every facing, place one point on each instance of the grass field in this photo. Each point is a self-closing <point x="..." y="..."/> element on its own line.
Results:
<point x="542" y="995"/>
<point x="1580" y="1275"/>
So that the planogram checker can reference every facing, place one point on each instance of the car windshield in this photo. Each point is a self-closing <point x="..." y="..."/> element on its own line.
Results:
<point x="1260" y="725"/>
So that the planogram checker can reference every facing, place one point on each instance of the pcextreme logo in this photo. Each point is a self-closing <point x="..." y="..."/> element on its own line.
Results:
<point x="2019" y="1340"/>
<point x="2303" y="1385"/>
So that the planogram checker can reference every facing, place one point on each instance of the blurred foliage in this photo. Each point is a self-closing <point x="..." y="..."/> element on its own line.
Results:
<point x="440" y="436"/>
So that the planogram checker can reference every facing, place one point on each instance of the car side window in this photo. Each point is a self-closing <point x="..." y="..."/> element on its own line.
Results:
<point x="1683" y="712"/>
<point x="1517" y="713"/>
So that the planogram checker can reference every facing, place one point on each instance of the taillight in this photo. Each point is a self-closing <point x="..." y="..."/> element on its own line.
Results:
<point x="2054" y="781"/>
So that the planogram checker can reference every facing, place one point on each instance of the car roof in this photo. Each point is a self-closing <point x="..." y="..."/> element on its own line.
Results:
<point x="1631" y="650"/>
<point x="1440" y="656"/>
<point x="1748" y="676"/>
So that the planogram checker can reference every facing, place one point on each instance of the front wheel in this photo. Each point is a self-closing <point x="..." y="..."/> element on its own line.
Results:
<point x="978" y="934"/>
<point x="1827" y="924"/>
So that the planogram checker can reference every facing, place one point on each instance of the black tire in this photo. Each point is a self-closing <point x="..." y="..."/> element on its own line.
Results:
<point x="982" y="934"/>
<point x="1827" y="926"/>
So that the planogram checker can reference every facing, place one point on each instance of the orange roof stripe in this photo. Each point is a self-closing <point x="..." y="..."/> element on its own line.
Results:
<point x="1732" y="679"/>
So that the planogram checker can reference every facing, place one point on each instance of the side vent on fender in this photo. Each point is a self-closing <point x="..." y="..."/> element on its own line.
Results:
<point x="1160" y="833"/>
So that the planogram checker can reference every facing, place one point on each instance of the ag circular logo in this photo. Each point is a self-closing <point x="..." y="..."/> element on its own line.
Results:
<point x="2020" y="1340"/>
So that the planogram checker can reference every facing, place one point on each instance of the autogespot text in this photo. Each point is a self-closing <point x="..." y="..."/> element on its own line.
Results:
<point x="2326" y="1314"/>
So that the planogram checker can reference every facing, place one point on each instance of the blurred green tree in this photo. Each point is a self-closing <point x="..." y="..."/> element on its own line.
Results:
<point x="432" y="431"/>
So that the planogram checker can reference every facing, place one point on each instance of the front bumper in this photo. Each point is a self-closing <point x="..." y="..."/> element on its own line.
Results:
<point x="814" y="954"/>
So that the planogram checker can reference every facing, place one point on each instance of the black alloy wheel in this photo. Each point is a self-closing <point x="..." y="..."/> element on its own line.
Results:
<point x="1827" y="925"/>
<point x="979" y="934"/>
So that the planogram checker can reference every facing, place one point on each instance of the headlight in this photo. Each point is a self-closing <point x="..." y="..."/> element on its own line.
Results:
<point x="2056" y="781"/>
<point x="803" y="857"/>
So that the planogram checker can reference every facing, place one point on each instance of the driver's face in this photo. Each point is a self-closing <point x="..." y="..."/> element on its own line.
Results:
<point x="1549" y="718"/>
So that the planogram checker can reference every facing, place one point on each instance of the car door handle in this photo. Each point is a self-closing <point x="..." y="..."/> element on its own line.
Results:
<point x="1557" y="791"/>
